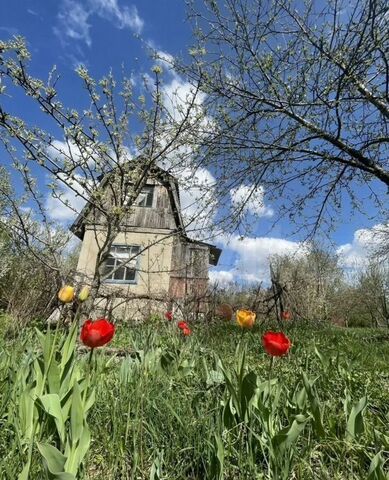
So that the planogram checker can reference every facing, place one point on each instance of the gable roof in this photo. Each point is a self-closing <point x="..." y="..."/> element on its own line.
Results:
<point x="171" y="185"/>
<point x="166" y="179"/>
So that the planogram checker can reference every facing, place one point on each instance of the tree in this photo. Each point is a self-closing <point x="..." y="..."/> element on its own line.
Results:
<point x="299" y="93"/>
<point x="98" y="143"/>
<point x="373" y="287"/>
<point x="34" y="260"/>
<point x="310" y="280"/>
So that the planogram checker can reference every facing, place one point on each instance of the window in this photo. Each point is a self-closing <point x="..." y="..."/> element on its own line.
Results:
<point x="120" y="267"/>
<point x="145" y="198"/>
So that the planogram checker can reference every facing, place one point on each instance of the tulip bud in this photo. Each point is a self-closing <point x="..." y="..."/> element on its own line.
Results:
<point x="84" y="293"/>
<point x="66" y="294"/>
<point x="245" y="318"/>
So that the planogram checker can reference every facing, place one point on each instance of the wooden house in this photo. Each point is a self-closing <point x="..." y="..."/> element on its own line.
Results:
<point x="151" y="257"/>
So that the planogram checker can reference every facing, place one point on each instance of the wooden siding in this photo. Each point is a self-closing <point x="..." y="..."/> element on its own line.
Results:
<point x="160" y="216"/>
<point x="191" y="287"/>
<point x="189" y="271"/>
<point x="189" y="260"/>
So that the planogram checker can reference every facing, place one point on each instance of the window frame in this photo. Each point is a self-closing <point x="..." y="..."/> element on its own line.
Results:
<point x="149" y="187"/>
<point x="125" y="282"/>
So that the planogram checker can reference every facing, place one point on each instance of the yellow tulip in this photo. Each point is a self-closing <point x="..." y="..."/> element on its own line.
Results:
<point x="66" y="294"/>
<point x="245" y="318"/>
<point x="84" y="293"/>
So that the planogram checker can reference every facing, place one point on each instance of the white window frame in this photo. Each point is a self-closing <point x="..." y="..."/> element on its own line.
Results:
<point x="131" y="265"/>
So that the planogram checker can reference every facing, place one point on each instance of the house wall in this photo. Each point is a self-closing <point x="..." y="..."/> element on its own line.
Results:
<point x="159" y="216"/>
<point x="189" y="270"/>
<point x="154" y="263"/>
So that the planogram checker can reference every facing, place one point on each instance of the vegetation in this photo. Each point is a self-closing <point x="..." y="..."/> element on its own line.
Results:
<point x="203" y="406"/>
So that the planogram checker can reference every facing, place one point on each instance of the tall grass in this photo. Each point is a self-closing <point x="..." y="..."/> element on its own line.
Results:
<point x="205" y="407"/>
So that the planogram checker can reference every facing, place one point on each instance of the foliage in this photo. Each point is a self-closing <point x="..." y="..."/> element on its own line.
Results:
<point x="299" y="93"/>
<point x="208" y="407"/>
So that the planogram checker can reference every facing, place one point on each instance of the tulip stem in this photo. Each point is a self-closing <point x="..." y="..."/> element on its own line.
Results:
<point x="270" y="372"/>
<point x="90" y="358"/>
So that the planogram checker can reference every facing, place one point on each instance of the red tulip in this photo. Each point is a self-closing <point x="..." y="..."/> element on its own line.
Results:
<point x="169" y="316"/>
<point x="286" y="315"/>
<point x="182" y="325"/>
<point x="186" y="332"/>
<point x="276" y="344"/>
<point x="97" y="333"/>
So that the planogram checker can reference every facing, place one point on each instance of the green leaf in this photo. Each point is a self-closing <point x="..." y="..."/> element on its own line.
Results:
<point x="54" y="459"/>
<point x="78" y="452"/>
<point x="54" y="377"/>
<point x="26" y="470"/>
<point x="26" y="414"/>
<point x="218" y="466"/>
<point x="76" y="415"/>
<point x="248" y="389"/>
<point x="64" y="476"/>
<point x="314" y="405"/>
<point x="52" y="406"/>
<point x="90" y="401"/>
<point x="68" y="348"/>
<point x="46" y="340"/>
<point x="376" y="468"/>
<point x="288" y="436"/>
<point x="355" y="425"/>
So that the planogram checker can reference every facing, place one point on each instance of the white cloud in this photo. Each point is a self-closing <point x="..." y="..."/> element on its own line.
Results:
<point x="73" y="22"/>
<point x="74" y="18"/>
<point x="127" y="16"/>
<point x="250" y="199"/>
<point x="68" y="200"/>
<point x="67" y="207"/>
<point x="253" y="254"/>
<point x="365" y="241"/>
<point x="221" y="277"/>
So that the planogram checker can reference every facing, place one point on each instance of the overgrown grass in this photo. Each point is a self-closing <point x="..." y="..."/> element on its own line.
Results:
<point x="179" y="408"/>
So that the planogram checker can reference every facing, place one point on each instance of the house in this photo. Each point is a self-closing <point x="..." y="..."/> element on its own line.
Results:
<point x="151" y="257"/>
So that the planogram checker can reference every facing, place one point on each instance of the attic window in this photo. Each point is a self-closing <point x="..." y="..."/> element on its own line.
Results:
<point x="121" y="265"/>
<point x="146" y="196"/>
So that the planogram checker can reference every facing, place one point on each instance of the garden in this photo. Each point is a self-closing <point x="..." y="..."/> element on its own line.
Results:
<point x="194" y="400"/>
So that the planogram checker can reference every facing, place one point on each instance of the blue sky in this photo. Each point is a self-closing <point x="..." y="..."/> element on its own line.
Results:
<point x="104" y="34"/>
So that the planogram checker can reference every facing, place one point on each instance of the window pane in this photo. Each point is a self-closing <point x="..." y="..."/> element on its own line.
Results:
<point x="130" y="274"/>
<point x="119" y="274"/>
<point x="110" y="262"/>
<point x="145" y="198"/>
<point x="107" y="271"/>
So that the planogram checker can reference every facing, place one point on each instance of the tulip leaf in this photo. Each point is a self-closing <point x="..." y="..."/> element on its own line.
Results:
<point x="288" y="435"/>
<point x="248" y="388"/>
<point x="68" y="347"/>
<point x="376" y="468"/>
<point x="52" y="406"/>
<point x="53" y="377"/>
<point x="26" y="414"/>
<point x="355" y="425"/>
<point x="314" y="405"/>
<point x="46" y="341"/>
<point x="54" y="459"/>
<point x="76" y="415"/>
<point x="217" y="464"/>
<point x="90" y="401"/>
<point x="78" y="451"/>
<point x="26" y="470"/>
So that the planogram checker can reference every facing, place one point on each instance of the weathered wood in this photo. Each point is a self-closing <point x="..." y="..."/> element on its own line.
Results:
<point x="189" y="260"/>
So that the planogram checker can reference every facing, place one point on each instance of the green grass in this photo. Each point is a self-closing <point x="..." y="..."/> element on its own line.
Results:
<point x="161" y="413"/>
